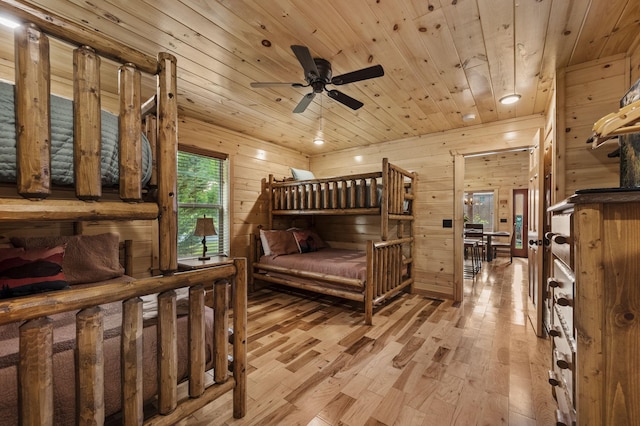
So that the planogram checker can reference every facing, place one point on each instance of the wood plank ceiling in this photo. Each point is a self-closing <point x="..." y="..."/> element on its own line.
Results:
<point x="442" y="58"/>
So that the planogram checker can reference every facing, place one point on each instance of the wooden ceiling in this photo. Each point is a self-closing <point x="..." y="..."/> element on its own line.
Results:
<point x="442" y="58"/>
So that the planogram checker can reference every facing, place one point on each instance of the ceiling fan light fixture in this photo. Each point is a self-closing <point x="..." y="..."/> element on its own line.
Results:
<point x="318" y="141"/>
<point x="510" y="99"/>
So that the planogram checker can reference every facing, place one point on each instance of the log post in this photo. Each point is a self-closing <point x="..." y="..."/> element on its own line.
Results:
<point x="87" y="125"/>
<point x="129" y="134"/>
<point x="35" y="372"/>
<point x="131" y="357"/>
<point x="197" y="359"/>
<point x="167" y="352"/>
<point x="368" y="287"/>
<point x="90" y="367"/>
<point x="240" y="338"/>
<point x="167" y="162"/>
<point x="33" y="113"/>
<point x="220" y="330"/>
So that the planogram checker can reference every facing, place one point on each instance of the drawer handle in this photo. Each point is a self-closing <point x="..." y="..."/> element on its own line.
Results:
<point x="560" y="239"/>
<point x="555" y="331"/>
<point x="553" y="282"/>
<point x="563" y="300"/>
<point x="562" y="361"/>
<point x="553" y="379"/>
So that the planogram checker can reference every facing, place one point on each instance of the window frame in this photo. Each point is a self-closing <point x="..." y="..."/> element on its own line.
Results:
<point x="223" y="220"/>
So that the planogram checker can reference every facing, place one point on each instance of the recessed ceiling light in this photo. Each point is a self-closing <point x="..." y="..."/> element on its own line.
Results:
<point x="469" y="117"/>
<point x="510" y="99"/>
<point x="9" y="22"/>
<point x="318" y="141"/>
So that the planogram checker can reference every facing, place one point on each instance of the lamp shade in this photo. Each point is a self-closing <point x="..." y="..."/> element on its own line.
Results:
<point x="204" y="227"/>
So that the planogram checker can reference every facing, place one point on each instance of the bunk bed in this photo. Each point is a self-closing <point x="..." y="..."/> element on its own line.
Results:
<point x="206" y="337"/>
<point x="370" y="276"/>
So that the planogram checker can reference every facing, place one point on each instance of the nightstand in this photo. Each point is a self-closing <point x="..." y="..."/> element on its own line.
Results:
<point x="185" y="265"/>
<point x="194" y="263"/>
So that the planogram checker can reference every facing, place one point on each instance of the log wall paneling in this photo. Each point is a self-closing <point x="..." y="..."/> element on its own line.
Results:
<point x="86" y="124"/>
<point x="434" y="198"/>
<point x="167" y="161"/>
<point x="129" y="135"/>
<point x="33" y="126"/>
<point x="35" y="372"/>
<point x="592" y="90"/>
<point x="90" y="367"/>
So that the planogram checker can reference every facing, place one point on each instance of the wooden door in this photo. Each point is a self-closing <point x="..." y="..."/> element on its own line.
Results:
<point x="535" y="236"/>
<point x="520" y="223"/>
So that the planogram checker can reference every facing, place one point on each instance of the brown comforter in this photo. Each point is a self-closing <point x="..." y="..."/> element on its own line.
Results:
<point x="63" y="362"/>
<point x="331" y="261"/>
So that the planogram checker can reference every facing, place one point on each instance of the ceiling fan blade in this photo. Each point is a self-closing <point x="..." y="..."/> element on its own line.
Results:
<point x="306" y="60"/>
<point x="345" y="99"/>
<point x="304" y="102"/>
<point x="359" y="75"/>
<point x="261" y="84"/>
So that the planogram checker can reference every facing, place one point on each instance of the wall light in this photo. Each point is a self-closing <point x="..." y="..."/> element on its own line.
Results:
<point x="510" y="99"/>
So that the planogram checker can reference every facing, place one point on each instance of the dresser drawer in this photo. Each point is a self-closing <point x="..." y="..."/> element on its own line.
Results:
<point x="560" y="237"/>
<point x="561" y="287"/>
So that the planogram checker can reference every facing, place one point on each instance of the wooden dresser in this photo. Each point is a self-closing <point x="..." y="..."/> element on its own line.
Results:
<point x="595" y="318"/>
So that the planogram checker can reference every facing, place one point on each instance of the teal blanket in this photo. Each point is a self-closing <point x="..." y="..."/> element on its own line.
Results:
<point x="62" y="142"/>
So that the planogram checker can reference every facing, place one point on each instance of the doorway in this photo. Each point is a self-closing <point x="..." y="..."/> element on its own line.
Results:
<point x="520" y="222"/>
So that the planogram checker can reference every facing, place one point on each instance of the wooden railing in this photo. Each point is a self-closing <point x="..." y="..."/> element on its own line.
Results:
<point x="388" y="193"/>
<point x="340" y="195"/>
<point x="36" y="345"/>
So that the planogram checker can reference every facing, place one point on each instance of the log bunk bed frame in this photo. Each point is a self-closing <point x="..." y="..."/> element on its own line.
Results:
<point x="389" y="262"/>
<point x="36" y="333"/>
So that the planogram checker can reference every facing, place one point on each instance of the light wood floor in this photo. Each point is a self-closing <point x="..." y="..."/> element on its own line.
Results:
<point x="423" y="362"/>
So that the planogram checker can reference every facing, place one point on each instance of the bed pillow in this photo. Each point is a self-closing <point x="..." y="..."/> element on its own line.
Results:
<point x="277" y="243"/>
<point x="300" y="174"/>
<point x="25" y="272"/>
<point x="308" y="240"/>
<point x="88" y="258"/>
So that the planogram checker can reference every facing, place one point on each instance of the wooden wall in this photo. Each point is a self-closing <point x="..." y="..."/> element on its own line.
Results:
<point x="432" y="157"/>
<point x="251" y="161"/>
<point x="591" y="91"/>
<point x="634" y="55"/>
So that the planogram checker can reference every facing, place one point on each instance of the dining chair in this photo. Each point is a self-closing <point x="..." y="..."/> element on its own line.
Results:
<point x="475" y="231"/>
<point x="503" y="247"/>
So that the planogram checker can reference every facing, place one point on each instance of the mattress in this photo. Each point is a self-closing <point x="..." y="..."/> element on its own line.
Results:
<point x="331" y="261"/>
<point x="62" y="142"/>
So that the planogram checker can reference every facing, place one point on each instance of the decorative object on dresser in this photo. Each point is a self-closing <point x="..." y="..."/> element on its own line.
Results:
<point x="595" y="325"/>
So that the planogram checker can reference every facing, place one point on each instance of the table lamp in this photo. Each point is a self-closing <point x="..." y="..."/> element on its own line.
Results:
<point x="204" y="228"/>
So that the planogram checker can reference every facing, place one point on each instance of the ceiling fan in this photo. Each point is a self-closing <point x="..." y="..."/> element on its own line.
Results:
<point x="317" y="74"/>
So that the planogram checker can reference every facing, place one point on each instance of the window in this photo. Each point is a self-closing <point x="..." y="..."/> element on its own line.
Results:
<point x="478" y="208"/>
<point x="202" y="190"/>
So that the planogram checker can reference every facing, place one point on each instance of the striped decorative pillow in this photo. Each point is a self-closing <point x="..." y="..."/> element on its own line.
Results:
<point x="31" y="271"/>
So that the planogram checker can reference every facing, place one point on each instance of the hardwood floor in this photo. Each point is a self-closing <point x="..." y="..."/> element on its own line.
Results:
<point x="423" y="362"/>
